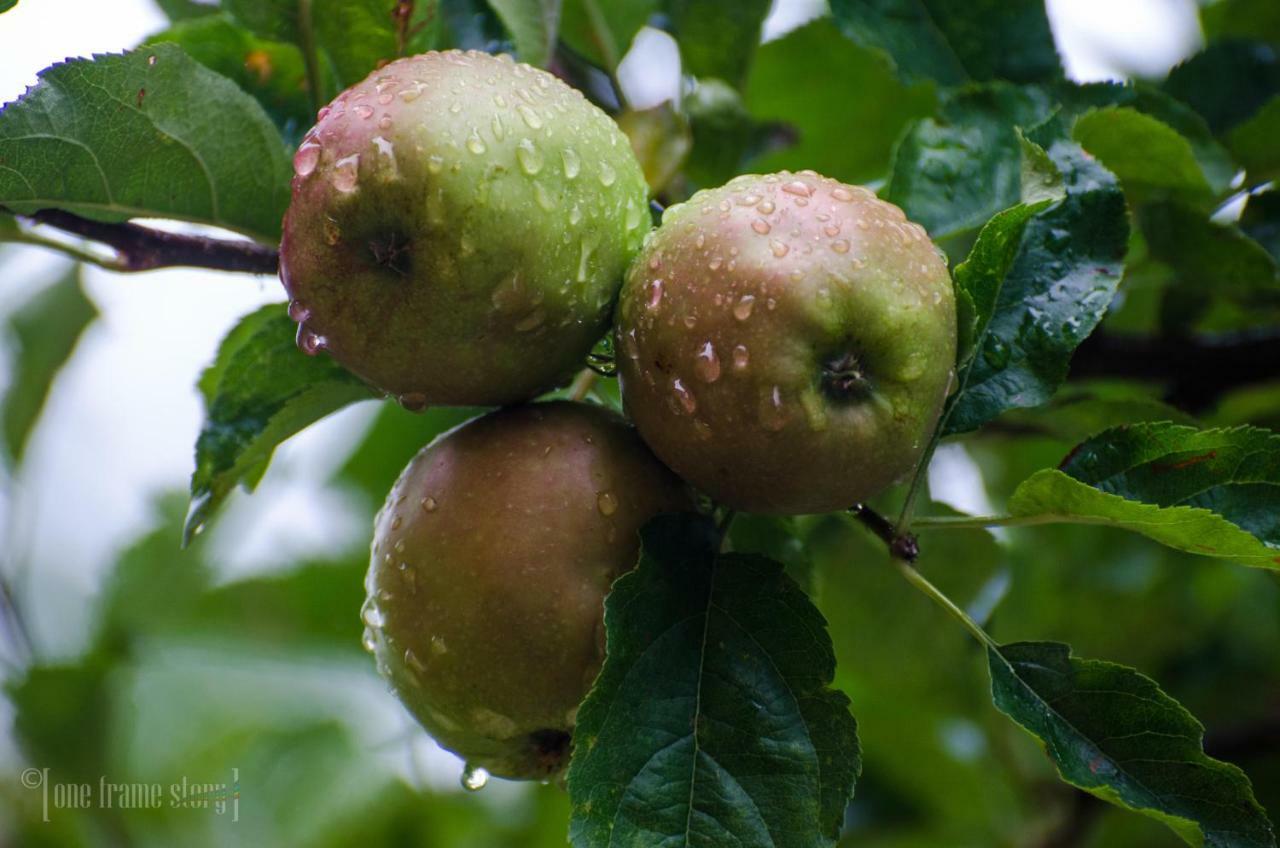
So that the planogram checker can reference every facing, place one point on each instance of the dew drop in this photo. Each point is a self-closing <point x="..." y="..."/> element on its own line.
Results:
<point x="842" y="194"/>
<point x="840" y="245"/>
<point x="410" y="94"/>
<point x="396" y="522"/>
<point x="687" y="401"/>
<point x="369" y="640"/>
<point x="309" y="342"/>
<point x="749" y="200"/>
<point x="742" y="309"/>
<point x="428" y="504"/>
<point x="411" y="660"/>
<point x="779" y="248"/>
<point x="298" y="311"/>
<point x="438" y="646"/>
<point x="363" y="111"/>
<point x="371" y="615"/>
<point x="572" y="164"/>
<point x="766" y="207"/>
<point x="715" y="263"/>
<point x="499" y="129"/>
<point x="475" y="143"/>
<point x="797" y="188"/>
<point x="306" y="159"/>
<point x="607" y="503"/>
<point x="773" y="414"/>
<point x="474" y="778"/>
<point x="384" y="123"/>
<point x="741" y="358"/>
<point x="635" y="215"/>
<point x="761" y="226"/>
<point x="345" y="173"/>
<point x="654" y="300"/>
<point x="707" y="365"/>
<point x="607" y="174"/>
<point x="529" y="156"/>
<point x="831" y="231"/>
<point x="530" y="117"/>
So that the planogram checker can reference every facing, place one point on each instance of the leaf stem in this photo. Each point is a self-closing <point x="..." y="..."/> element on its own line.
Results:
<point x="582" y="384"/>
<point x="309" y="59"/>
<point x="978" y="522"/>
<point x="918" y="580"/>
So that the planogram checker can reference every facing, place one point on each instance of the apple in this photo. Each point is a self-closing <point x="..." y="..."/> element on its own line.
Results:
<point x="786" y="342"/>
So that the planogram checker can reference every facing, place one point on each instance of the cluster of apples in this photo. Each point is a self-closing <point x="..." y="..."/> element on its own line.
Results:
<point x="463" y="230"/>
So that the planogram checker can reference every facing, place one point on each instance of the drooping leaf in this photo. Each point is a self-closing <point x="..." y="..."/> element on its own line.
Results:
<point x="1055" y="292"/>
<point x="533" y="25"/>
<point x="1209" y="492"/>
<point x="661" y="140"/>
<point x="1228" y="81"/>
<point x="1214" y="259"/>
<point x="150" y="133"/>
<point x="1151" y="159"/>
<point x="1253" y="143"/>
<point x="717" y="38"/>
<point x="713" y="721"/>
<point x="44" y="332"/>
<point x="271" y="71"/>
<point x="953" y="41"/>
<point x="259" y="391"/>
<point x="953" y="171"/>
<point x="845" y="103"/>
<point x="602" y="30"/>
<point x="1113" y="733"/>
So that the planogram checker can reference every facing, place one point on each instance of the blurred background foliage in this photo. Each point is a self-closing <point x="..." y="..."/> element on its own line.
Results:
<point x="194" y="670"/>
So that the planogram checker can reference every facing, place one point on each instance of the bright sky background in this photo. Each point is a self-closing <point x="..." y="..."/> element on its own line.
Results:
<point x="122" y="420"/>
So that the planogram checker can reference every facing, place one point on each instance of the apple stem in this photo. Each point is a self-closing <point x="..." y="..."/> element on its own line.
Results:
<point x="903" y="546"/>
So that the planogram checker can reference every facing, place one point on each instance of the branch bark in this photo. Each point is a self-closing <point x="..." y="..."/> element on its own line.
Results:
<point x="141" y="248"/>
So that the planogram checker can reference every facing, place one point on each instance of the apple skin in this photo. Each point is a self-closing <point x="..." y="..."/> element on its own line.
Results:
<point x="458" y="230"/>
<point x="786" y="343"/>
<point x="489" y="567"/>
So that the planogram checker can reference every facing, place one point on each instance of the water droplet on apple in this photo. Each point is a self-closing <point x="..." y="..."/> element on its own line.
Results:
<point x="428" y="504"/>
<point x="306" y="159"/>
<point x="654" y="299"/>
<point x="761" y="226"/>
<point x="685" y="397"/>
<point x="607" y="174"/>
<point x="345" y="173"/>
<point x="474" y="778"/>
<point x="298" y="311"/>
<point x="572" y="164"/>
<point x="741" y="357"/>
<point x="413" y="401"/>
<point x="779" y="249"/>
<point x="529" y="156"/>
<point x="607" y="503"/>
<point x="707" y="365"/>
<point x="742" y="309"/>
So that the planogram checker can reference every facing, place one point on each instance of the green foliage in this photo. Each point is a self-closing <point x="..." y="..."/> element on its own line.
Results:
<point x="45" y="331"/>
<point x="717" y="38"/>
<point x="712" y="719"/>
<point x="601" y="30"/>
<point x="259" y="391"/>
<point x="533" y="24"/>
<point x="1112" y="732"/>
<point x="150" y="133"/>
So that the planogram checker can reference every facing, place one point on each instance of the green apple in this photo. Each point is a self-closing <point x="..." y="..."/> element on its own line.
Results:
<point x="459" y="226"/>
<point x="786" y="342"/>
<point x="490" y="563"/>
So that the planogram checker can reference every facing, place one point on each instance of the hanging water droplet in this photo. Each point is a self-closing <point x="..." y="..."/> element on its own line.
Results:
<point x="707" y="365"/>
<point x="474" y="778"/>
<point x="308" y="341"/>
<point x="413" y="401"/>
<point x="306" y="159"/>
<point x="345" y="173"/>
<point x="369" y="640"/>
<point x="572" y="164"/>
<point x="607" y="503"/>
<point x="298" y="311"/>
<point x="742" y="309"/>
<point x="529" y="157"/>
<point x="371" y="615"/>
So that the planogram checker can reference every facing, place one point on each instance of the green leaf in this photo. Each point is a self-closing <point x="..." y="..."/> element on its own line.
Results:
<point x="150" y="133"/>
<point x="1228" y="81"/>
<point x="661" y="140"/>
<point x="813" y="79"/>
<point x="954" y="171"/>
<point x="1056" y="290"/>
<point x="1261" y="221"/>
<point x="953" y="41"/>
<point x="6" y="5"/>
<point x="533" y="24"/>
<point x="271" y="71"/>
<point x="1113" y="733"/>
<point x="1079" y="412"/>
<point x="1214" y="259"/>
<point x="1241" y="19"/>
<point x="724" y="133"/>
<point x="181" y="10"/>
<point x="1208" y="492"/>
<point x="259" y="391"/>
<point x="394" y="438"/>
<point x="44" y="332"/>
<point x="1253" y="143"/>
<point x="602" y="30"/>
<point x="718" y="38"/>
<point x="979" y="279"/>
<point x="1152" y="160"/>
<point x="713" y="721"/>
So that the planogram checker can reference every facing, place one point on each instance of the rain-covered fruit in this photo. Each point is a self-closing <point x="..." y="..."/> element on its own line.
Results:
<point x="490" y="563"/>
<point x="786" y="342"/>
<point x="459" y="227"/>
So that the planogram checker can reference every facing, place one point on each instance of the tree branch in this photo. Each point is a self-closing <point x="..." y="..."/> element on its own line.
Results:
<point x="143" y="249"/>
<point x="1195" y="370"/>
